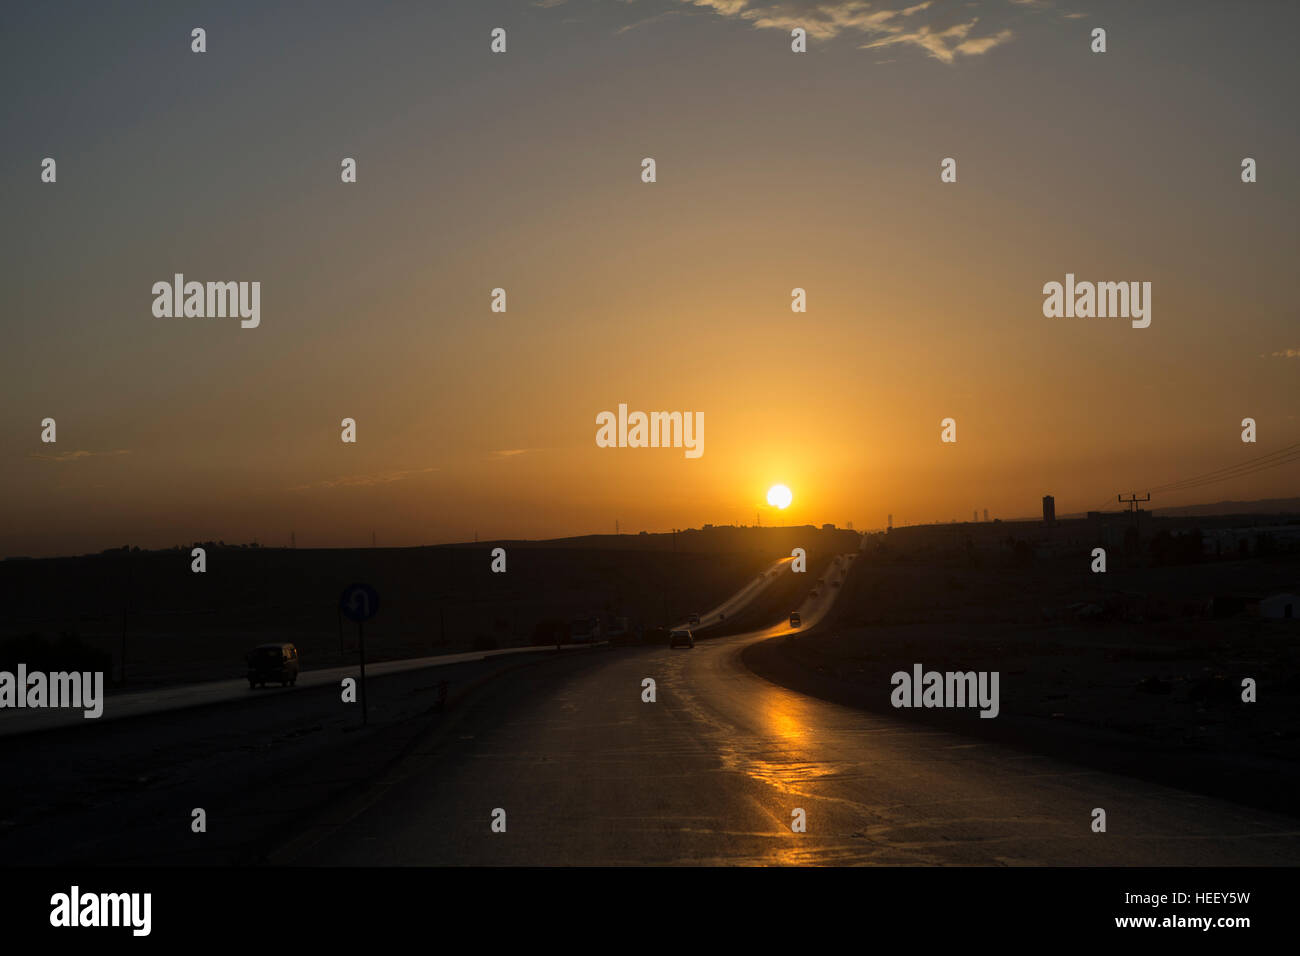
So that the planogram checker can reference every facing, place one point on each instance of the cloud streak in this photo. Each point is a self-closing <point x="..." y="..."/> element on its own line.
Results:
<point x="363" y="481"/>
<point x="666" y="15"/>
<point x="80" y="454"/>
<point x="938" y="31"/>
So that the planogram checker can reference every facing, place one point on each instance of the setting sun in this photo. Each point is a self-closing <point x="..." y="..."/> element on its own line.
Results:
<point x="779" y="496"/>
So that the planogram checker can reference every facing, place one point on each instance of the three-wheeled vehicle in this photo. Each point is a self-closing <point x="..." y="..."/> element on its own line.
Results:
<point x="269" y="663"/>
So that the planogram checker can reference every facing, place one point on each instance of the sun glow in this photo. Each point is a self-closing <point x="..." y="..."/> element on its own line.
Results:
<point x="779" y="496"/>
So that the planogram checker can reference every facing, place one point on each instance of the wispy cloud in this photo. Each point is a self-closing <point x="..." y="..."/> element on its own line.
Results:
<point x="1287" y="353"/>
<point x="363" y="481"/>
<point x="944" y="43"/>
<point x="78" y="455"/>
<point x="666" y="15"/>
<point x="934" y="29"/>
<point x="510" y="453"/>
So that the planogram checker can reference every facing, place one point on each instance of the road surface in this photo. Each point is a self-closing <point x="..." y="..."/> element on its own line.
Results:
<point x="713" y="772"/>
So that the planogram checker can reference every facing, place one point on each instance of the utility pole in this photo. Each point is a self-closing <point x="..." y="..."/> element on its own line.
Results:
<point x="672" y="586"/>
<point x="361" y="640"/>
<point x="1132" y="500"/>
<point x="126" y="603"/>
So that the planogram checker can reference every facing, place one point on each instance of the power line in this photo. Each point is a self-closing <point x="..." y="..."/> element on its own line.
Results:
<point x="1240" y="474"/>
<point x="1283" y="456"/>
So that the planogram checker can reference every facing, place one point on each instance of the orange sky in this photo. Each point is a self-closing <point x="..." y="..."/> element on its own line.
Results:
<point x="522" y="171"/>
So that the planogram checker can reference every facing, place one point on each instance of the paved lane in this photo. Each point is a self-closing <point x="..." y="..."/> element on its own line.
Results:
<point x="710" y="774"/>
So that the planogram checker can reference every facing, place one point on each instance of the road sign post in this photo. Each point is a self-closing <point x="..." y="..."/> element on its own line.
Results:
<point x="361" y="642"/>
<point x="360" y="602"/>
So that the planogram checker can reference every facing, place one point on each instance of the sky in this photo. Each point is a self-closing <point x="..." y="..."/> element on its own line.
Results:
<point x="522" y="171"/>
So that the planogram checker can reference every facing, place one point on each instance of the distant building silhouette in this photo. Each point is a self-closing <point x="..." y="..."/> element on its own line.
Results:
<point x="1049" y="509"/>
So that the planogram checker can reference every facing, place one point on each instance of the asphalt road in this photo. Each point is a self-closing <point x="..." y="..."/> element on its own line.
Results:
<point x="121" y="789"/>
<point x="712" y="772"/>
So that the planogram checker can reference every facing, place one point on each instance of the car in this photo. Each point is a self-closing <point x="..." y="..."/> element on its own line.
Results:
<point x="693" y="620"/>
<point x="795" y="620"/>
<point x="682" y="636"/>
<point x="272" y="662"/>
<point x="619" y="632"/>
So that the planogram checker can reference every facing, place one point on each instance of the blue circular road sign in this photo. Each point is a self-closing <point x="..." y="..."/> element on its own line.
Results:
<point x="359" y="602"/>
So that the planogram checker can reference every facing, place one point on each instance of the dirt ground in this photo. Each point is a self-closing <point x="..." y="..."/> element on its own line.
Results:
<point x="182" y="626"/>
<point x="1135" y="656"/>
